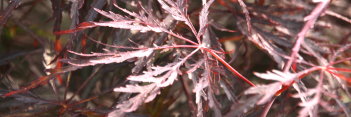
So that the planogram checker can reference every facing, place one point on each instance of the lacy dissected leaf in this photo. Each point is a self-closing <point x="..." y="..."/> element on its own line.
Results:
<point x="116" y="58"/>
<point x="111" y="15"/>
<point x="175" y="9"/>
<point x="161" y="75"/>
<point x="266" y="91"/>
<point x="145" y="94"/>
<point x="149" y="19"/>
<point x="308" y="106"/>
<point x="146" y="23"/>
<point x="200" y="86"/>
<point x="284" y="78"/>
<point x="309" y="92"/>
<point x="132" y="25"/>
<point x="203" y="17"/>
<point x="121" y="22"/>
<point x="196" y="65"/>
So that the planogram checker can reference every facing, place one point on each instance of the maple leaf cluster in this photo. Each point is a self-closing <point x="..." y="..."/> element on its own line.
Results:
<point x="160" y="51"/>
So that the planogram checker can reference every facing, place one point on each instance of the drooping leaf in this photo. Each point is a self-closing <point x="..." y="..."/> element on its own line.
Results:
<point x="169" y="75"/>
<point x="284" y="78"/>
<point x="266" y="91"/>
<point x="203" y="17"/>
<point x="114" y="58"/>
<point x="172" y="8"/>
<point x="145" y="94"/>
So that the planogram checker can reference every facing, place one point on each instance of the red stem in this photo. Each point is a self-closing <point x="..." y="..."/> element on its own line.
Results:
<point x="311" y="19"/>
<point x="230" y="68"/>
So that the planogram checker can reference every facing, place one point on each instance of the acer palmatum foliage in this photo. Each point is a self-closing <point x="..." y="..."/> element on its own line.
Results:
<point x="158" y="55"/>
<point x="161" y="76"/>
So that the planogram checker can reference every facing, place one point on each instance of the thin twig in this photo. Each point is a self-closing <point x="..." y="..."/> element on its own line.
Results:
<point x="332" y="13"/>
<point x="230" y="67"/>
<point x="311" y="20"/>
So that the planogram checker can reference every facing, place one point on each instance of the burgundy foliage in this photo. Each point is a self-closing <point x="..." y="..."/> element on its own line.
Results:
<point x="187" y="57"/>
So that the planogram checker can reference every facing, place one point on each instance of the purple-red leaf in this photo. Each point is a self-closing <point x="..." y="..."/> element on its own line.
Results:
<point x="114" y="58"/>
<point x="284" y="78"/>
<point x="267" y="91"/>
<point x="169" y="75"/>
<point x="203" y="17"/>
<point x="146" y="94"/>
